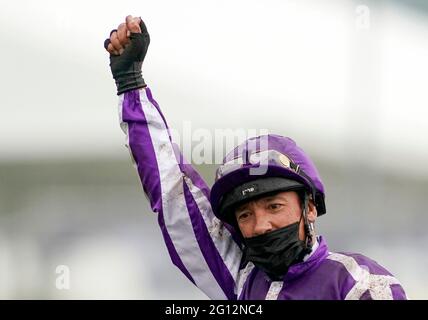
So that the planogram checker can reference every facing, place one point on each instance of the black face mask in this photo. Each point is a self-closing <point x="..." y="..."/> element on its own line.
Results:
<point x="274" y="252"/>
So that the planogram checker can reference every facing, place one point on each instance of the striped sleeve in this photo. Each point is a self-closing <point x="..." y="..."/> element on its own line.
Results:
<point x="198" y="243"/>
<point x="370" y="280"/>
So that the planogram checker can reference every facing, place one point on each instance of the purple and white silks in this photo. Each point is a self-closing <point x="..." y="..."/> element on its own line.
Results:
<point x="206" y="251"/>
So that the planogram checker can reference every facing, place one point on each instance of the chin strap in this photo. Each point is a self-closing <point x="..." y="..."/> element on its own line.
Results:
<point x="308" y="226"/>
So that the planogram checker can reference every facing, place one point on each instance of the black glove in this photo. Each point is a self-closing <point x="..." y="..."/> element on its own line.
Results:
<point x="126" y="68"/>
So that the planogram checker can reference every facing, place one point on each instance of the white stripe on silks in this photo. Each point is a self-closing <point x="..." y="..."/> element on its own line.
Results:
<point x="176" y="217"/>
<point x="223" y="241"/>
<point x="242" y="278"/>
<point x="379" y="286"/>
<point x="125" y="129"/>
<point x="274" y="290"/>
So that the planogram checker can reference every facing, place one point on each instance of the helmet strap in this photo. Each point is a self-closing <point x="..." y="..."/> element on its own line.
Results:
<point x="308" y="226"/>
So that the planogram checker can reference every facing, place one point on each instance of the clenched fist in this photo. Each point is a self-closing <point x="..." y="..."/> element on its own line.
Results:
<point x="128" y="46"/>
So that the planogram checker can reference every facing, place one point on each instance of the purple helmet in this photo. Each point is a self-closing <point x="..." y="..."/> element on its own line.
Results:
<point x="263" y="165"/>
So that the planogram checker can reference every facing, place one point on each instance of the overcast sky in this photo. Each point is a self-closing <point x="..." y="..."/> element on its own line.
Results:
<point x="299" y="68"/>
